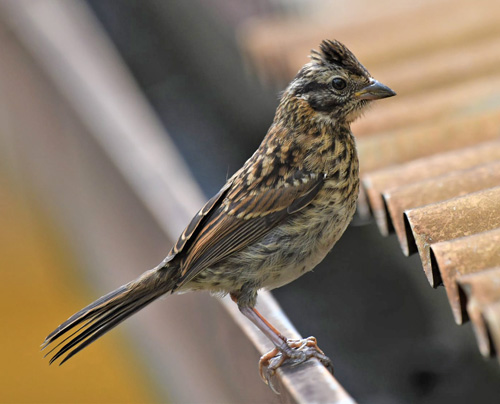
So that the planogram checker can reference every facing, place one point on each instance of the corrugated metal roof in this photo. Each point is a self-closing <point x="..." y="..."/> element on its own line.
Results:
<point x="430" y="158"/>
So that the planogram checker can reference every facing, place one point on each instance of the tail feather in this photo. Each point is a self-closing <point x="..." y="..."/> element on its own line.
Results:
<point x="95" y="320"/>
<point x="80" y="316"/>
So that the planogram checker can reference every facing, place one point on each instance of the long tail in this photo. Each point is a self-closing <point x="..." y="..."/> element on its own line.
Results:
<point x="95" y="320"/>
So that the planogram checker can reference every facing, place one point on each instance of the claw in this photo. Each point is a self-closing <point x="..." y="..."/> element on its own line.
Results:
<point x="293" y="353"/>
<point x="264" y="362"/>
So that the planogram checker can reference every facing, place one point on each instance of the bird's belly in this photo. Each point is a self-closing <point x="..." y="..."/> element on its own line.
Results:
<point x="291" y="251"/>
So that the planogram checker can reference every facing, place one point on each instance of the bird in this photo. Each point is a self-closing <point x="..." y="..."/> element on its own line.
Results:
<point x="274" y="220"/>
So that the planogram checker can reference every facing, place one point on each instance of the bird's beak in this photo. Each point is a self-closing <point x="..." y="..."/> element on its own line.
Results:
<point x="374" y="91"/>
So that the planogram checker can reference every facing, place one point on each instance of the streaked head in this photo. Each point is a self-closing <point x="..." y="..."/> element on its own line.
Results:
<point x="336" y="84"/>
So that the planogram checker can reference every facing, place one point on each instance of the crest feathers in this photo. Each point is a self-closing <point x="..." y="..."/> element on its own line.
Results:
<point x="334" y="53"/>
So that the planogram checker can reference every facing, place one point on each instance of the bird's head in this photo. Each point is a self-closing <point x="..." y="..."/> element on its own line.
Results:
<point x="335" y="84"/>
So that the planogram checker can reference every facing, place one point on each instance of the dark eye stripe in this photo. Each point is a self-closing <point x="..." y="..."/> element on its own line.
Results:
<point x="312" y="86"/>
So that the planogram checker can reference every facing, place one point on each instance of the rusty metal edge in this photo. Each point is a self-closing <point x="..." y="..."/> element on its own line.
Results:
<point x="427" y="232"/>
<point x="481" y="328"/>
<point x="383" y="180"/>
<point x="395" y="206"/>
<point x="449" y="260"/>
<point x="456" y="300"/>
<point x="432" y="276"/>
<point x="410" y="246"/>
<point x="492" y="320"/>
<point x="38" y="35"/>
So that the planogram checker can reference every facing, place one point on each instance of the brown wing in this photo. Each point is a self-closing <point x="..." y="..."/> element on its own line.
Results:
<point x="196" y="221"/>
<point x="235" y="219"/>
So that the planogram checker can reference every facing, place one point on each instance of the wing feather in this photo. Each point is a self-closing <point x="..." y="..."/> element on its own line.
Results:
<point x="236" y="220"/>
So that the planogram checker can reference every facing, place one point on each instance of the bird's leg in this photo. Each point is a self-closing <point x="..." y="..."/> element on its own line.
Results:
<point x="286" y="352"/>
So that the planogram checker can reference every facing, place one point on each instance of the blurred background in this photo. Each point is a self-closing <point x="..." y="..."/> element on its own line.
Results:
<point x="80" y="79"/>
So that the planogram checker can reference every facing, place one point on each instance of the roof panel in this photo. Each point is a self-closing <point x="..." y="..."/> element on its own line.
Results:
<point x="381" y="181"/>
<point x="477" y="291"/>
<point x="453" y="218"/>
<point x="466" y="255"/>
<point x="435" y="189"/>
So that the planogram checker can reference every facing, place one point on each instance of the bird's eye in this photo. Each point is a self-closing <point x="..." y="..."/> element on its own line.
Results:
<point x="338" y="83"/>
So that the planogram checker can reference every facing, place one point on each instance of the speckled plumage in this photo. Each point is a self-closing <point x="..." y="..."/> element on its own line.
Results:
<point x="275" y="218"/>
<point x="311" y="168"/>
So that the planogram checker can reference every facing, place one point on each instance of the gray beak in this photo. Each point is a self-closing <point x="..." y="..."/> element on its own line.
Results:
<point x="374" y="91"/>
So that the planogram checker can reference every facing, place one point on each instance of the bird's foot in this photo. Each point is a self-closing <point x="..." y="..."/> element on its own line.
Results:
<point x="291" y="353"/>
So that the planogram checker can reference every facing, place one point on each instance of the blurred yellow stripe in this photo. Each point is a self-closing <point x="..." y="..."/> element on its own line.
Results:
<point x="40" y="288"/>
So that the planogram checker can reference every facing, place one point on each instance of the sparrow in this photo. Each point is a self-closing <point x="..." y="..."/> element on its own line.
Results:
<point x="274" y="220"/>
